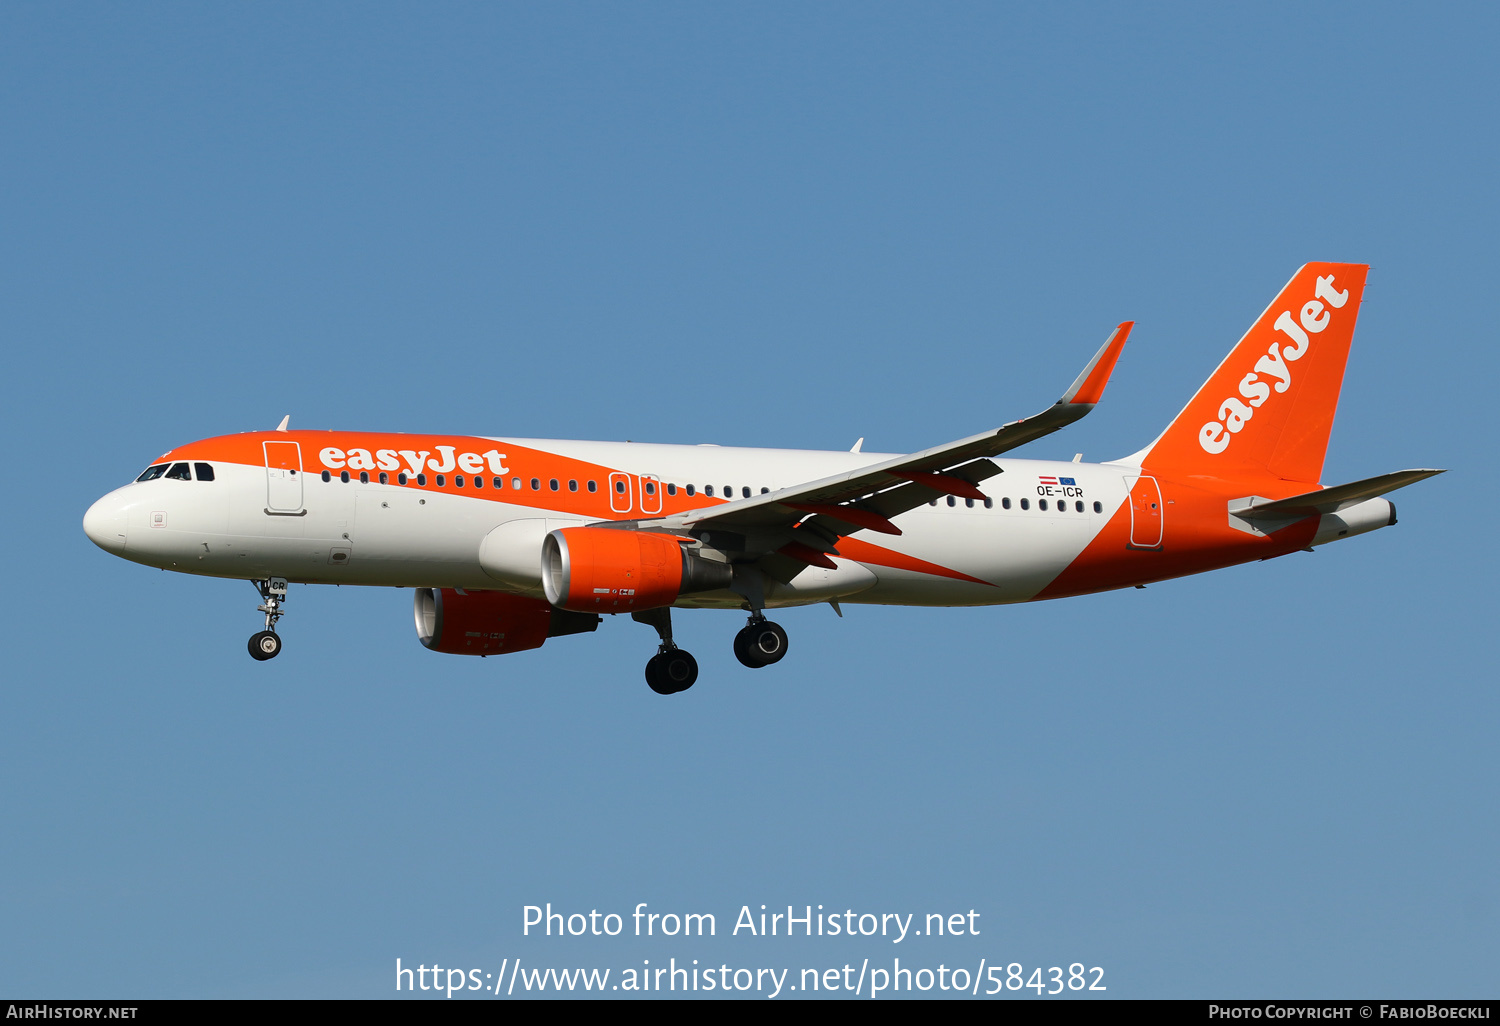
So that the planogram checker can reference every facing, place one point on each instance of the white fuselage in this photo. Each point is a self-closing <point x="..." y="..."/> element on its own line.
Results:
<point x="405" y="536"/>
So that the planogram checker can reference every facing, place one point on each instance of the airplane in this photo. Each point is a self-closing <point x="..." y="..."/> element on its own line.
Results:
<point x="509" y="542"/>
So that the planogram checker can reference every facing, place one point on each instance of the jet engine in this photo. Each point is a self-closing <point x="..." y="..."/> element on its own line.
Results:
<point x="485" y="623"/>
<point x="605" y="570"/>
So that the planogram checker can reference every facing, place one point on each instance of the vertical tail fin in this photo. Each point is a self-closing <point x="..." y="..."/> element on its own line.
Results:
<point x="1268" y="408"/>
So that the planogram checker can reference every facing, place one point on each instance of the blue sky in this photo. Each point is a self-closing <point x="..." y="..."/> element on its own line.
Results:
<point x="782" y="225"/>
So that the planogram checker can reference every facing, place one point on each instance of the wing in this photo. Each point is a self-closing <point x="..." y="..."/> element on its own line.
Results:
<point x="801" y="524"/>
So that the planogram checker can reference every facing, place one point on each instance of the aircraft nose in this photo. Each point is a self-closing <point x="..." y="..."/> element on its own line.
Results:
<point x="104" y="523"/>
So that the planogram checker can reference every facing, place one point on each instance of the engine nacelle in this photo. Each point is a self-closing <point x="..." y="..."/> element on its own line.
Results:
<point x="604" y="570"/>
<point x="487" y="623"/>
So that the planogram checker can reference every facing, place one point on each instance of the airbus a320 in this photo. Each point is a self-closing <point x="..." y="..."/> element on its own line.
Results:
<point x="510" y="541"/>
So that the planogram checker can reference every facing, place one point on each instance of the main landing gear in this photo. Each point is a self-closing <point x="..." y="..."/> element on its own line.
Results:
<point x="672" y="669"/>
<point x="267" y="643"/>
<point x="761" y="643"/>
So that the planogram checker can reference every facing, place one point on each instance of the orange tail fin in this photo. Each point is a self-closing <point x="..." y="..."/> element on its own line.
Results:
<point x="1269" y="406"/>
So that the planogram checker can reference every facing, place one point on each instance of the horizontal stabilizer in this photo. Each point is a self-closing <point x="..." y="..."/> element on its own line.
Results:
<point x="1331" y="500"/>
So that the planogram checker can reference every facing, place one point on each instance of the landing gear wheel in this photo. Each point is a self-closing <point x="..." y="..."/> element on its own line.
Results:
<point x="653" y="678"/>
<point x="677" y="669"/>
<point x="265" y="645"/>
<point x="672" y="671"/>
<point x="760" y="644"/>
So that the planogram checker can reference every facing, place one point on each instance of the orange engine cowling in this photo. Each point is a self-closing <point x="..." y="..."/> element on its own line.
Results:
<point x="487" y="623"/>
<point x="605" y="570"/>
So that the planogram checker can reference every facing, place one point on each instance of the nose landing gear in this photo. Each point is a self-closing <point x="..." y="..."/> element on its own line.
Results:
<point x="672" y="669"/>
<point x="761" y="643"/>
<point x="267" y="643"/>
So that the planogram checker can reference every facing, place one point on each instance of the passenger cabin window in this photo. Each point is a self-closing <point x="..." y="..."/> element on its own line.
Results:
<point x="422" y="479"/>
<point x="690" y="489"/>
<point x="364" y="477"/>
<point x="650" y="487"/>
<point x="441" y="480"/>
<point x="572" y="486"/>
<point x="385" y="478"/>
<point x="1041" y="504"/>
<point x="1025" y="503"/>
<point x="708" y="490"/>
<point x="552" y="484"/>
<point x="401" y="478"/>
<point x="153" y="472"/>
<point x="458" y="481"/>
<point x="620" y="487"/>
<point x="327" y="476"/>
<point x="593" y="486"/>
<point x="671" y="489"/>
<point x="344" y="476"/>
<point x="203" y="471"/>
<point x="179" y="472"/>
<point x="989" y="503"/>
<point x="1078" y="507"/>
<point x="536" y="484"/>
<point x="1005" y="503"/>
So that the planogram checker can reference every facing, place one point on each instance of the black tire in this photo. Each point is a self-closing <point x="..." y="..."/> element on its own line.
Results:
<point x="654" y="679"/>
<point x="760" y="644"/>
<point x="677" y="670"/>
<point x="740" y="651"/>
<point x="265" y="645"/>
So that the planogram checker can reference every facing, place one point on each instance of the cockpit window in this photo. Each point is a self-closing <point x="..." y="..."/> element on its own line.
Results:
<point x="179" y="472"/>
<point x="153" y="472"/>
<point x="203" y="471"/>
